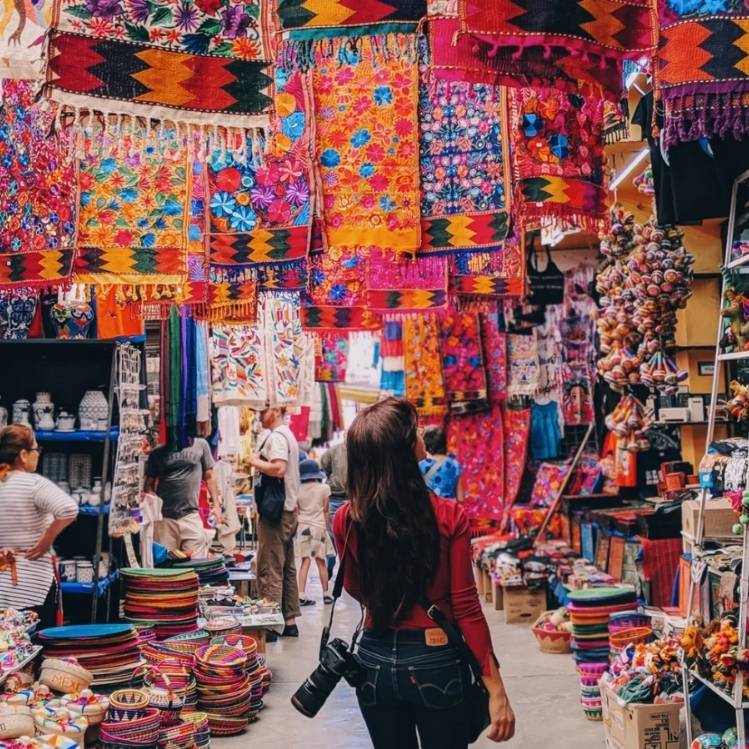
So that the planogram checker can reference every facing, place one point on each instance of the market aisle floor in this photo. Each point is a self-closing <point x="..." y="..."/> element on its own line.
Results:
<point x="543" y="688"/>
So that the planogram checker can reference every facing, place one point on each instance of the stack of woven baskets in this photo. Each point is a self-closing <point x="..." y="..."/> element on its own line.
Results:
<point x="224" y="690"/>
<point x="130" y="722"/>
<point x="202" y="729"/>
<point x="253" y="668"/>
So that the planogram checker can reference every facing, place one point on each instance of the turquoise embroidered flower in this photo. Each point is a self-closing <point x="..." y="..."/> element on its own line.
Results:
<point x="387" y="203"/>
<point x="366" y="170"/>
<point x="383" y="95"/>
<point x="360" y="138"/>
<point x="223" y="204"/>
<point x="243" y="219"/>
<point x="330" y="158"/>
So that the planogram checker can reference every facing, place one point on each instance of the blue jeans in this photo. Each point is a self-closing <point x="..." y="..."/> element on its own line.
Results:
<point x="411" y="687"/>
<point x="333" y="504"/>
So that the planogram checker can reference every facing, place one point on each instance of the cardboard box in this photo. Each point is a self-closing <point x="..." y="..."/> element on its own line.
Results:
<point x="640" y="726"/>
<point x="523" y="606"/>
<point x="719" y="518"/>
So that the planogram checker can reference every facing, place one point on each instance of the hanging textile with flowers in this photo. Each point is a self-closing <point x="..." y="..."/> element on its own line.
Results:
<point x="403" y="285"/>
<point x="494" y="345"/>
<point x="425" y="387"/>
<point x="331" y="355"/>
<point x="367" y="146"/>
<point x="37" y="193"/>
<point x="498" y="273"/>
<point x="134" y="215"/>
<point x="558" y="159"/>
<point x="202" y="64"/>
<point x="22" y="31"/>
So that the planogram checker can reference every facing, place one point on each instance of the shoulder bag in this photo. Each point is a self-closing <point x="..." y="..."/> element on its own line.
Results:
<point x="476" y="699"/>
<point x="270" y="491"/>
<point x="547" y="286"/>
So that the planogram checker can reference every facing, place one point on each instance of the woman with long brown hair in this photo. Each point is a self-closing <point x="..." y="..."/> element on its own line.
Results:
<point x="403" y="551"/>
<point x="27" y="500"/>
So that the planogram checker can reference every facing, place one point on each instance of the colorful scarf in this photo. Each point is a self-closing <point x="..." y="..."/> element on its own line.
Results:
<point x="134" y="218"/>
<point x="22" y="32"/>
<point x="37" y="193"/>
<point x="405" y="285"/>
<point x="393" y="378"/>
<point x="463" y="362"/>
<point x="261" y="215"/>
<point x="494" y="345"/>
<point x="205" y="63"/>
<point x="367" y="146"/>
<point x="477" y="441"/>
<point x="464" y="166"/>
<point x="608" y="30"/>
<point x="558" y="158"/>
<point x="702" y="70"/>
<point x="425" y="387"/>
<point x="331" y="357"/>
<point x="517" y="427"/>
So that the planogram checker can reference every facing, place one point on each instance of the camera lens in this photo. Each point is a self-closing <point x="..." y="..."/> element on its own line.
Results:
<point x="311" y="696"/>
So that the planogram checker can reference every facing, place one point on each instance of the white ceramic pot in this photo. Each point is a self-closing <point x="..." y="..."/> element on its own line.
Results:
<point x="44" y="410"/>
<point x="22" y="412"/>
<point x="93" y="407"/>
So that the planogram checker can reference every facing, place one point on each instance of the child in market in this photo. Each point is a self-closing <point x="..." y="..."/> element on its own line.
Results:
<point x="312" y="533"/>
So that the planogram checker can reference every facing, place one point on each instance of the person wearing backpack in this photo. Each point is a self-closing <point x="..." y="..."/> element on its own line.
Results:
<point x="441" y="470"/>
<point x="278" y="459"/>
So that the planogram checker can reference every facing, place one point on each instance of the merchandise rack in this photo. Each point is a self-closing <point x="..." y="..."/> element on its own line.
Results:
<point x="735" y="697"/>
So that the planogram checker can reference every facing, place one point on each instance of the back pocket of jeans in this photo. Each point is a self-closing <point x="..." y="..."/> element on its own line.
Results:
<point x="367" y="691"/>
<point x="439" y="686"/>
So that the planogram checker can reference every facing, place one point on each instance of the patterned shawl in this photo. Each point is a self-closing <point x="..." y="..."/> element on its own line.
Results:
<point x="494" y="344"/>
<point x="331" y="355"/>
<point x="22" y="29"/>
<point x="702" y="69"/>
<point x="425" y="387"/>
<point x="37" y="193"/>
<point x="558" y="158"/>
<point x="204" y="63"/>
<point x="134" y="215"/>
<point x="499" y="273"/>
<point x="239" y="368"/>
<point x="522" y="357"/>
<point x="405" y="285"/>
<point x="562" y="30"/>
<point x="367" y="146"/>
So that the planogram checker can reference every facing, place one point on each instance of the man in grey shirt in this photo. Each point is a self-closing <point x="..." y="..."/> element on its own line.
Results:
<point x="176" y="476"/>
<point x="335" y="464"/>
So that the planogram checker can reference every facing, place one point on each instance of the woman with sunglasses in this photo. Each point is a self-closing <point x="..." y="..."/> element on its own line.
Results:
<point x="27" y="502"/>
<point x="405" y="550"/>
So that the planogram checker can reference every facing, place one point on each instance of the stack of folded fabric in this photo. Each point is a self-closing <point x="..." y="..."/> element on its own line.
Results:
<point x="210" y="571"/>
<point x="589" y="612"/>
<point x="111" y="652"/>
<point x="224" y="691"/>
<point x="165" y="599"/>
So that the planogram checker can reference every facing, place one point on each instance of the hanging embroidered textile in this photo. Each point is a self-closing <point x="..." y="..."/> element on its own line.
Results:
<point x="134" y="215"/>
<point x="463" y="362"/>
<point x="338" y="277"/>
<point x="393" y="376"/>
<point x="464" y="166"/>
<point x="604" y="30"/>
<point x="702" y="70"/>
<point x="522" y="357"/>
<point x="367" y="146"/>
<point x="494" y="344"/>
<point x="516" y="425"/>
<point x="405" y="285"/>
<point x="239" y="370"/>
<point x="288" y="346"/>
<point x="496" y="273"/>
<point x="22" y="31"/>
<point x="37" y="193"/>
<point x="326" y="317"/>
<point x="260" y="215"/>
<point x="477" y="441"/>
<point x="204" y="63"/>
<point x="232" y="301"/>
<point x="292" y="276"/>
<point x="558" y="159"/>
<point x="460" y="56"/>
<point x="331" y="356"/>
<point x="550" y="355"/>
<point x="425" y="387"/>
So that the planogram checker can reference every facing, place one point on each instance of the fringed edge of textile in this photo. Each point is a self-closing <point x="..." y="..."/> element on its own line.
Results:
<point x="304" y="54"/>
<point x="235" y="313"/>
<point x="702" y="114"/>
<point x="557" y="216"/>
<point x="149" y="293"/>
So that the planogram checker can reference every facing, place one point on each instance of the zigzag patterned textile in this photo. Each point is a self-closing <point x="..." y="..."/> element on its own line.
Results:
<point x="229" y="302"/>
<point x="702" y="74"/>
<point x="367" y="147"/>
<point x="558" y="158"/>
<point x="37" y="192"/>
<point x="395" y="285"/>
<point x="483" y="60"/>
<point x="316" y="19"/>
<point x="134" y="216"/>
<point x="497" y="273"/>
<point x="322" y="317"/>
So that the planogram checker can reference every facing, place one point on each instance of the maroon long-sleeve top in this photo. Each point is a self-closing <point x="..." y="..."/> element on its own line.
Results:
<point x="453" y="588"/>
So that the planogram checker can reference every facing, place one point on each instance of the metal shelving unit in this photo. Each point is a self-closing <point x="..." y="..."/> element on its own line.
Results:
<point x="735" y="697"/>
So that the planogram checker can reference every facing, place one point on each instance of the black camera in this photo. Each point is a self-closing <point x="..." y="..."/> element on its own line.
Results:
<point x="336" y="661"/>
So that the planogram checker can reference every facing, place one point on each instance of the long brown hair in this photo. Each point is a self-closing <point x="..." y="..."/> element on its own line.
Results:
<point x="391" y="510"/>
<point x="13" y="439"/>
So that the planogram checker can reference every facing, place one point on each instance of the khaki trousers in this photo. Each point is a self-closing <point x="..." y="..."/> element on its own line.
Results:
<point x="186" y="534"/>
<point x="276" y="569"/>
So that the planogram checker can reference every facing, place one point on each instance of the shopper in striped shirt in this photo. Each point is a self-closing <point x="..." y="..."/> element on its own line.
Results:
<point x="33" y="512"/>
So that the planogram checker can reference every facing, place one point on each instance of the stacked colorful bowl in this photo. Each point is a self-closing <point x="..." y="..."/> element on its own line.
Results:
<point x="180" y="735"/>
<point x="224" y="691"/>
<point x="165" y="599"/>
<point x="130" y="725"/>
<point x="111" y="652"/>
<point x="202" y="729"/>
<point x="210" y="571"/>
<point x="254" y="670"/>
<point x="589" y="612"/>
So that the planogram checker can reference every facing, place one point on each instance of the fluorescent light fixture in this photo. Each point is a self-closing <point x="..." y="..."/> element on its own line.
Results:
<point x="628" y="169"/>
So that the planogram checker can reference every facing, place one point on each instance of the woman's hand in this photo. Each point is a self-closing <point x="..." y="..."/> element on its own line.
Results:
<point x="503" y="719"/>
<point x="39" y="549"/>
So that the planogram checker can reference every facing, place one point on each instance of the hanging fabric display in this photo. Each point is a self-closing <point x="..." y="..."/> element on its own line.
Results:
<point x="558" y="158"/>
<point x="331" y="357"/>
<point x="37" y="193"/>
<point x="202" y="65"/>
<point x="425" y="387"/>
<point x="393" y="376"/>
<point x="499" y="273"/>
<point x="22" y="33"/>
<point x="516" y="425"/>
<point x="522" y="357"/>
<point x="405" y="285"/>
<point x="494" y="346"/>
<point x="368" y="172"/>
<point x="239" y="370"/>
